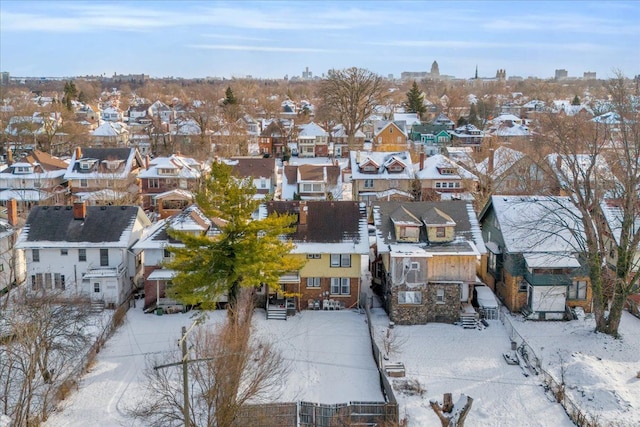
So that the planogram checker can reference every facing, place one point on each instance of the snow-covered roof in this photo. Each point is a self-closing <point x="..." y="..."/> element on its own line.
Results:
<point x="503" y="159"/>
<point x="614" y="215"/>
<point x="25" y="195"/>
<point x="434" y="165"/>
<point x="550" y="260"/>
<point x="544" y="224"/>
<point x="383" y="159"/>
<point x="181" y="167"/>
<point x="311" y="130"/>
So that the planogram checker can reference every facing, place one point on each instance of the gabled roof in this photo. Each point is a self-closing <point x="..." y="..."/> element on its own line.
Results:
<point x="433" y="166"/>
<point x="468" y="237"/>
<point x="46" y="161"/>
<point x="339" y="223"/>
<point x="254" y="167"/>
<point x="311" y="130"/>
<point x="379" y="126"/>
<point x="50" y="226"/>
<point x="185" y="167"/>
<point x="613" y="214"/>
<point x="402" y="216"/>
<point x="531" y="224"/>
<point x="129" y="156"/>
<point x="384" y="159"/>
<point x="503" y="159"/>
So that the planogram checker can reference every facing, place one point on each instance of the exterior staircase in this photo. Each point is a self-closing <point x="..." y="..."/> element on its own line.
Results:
<point x="468" y="321"/>
<point x="96" y="306"/>
<point x="278" y="313"/>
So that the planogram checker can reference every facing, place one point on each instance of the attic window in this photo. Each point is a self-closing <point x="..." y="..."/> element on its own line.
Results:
<point x="447" y="171"/>
<point x="166" y="171"/>
<point x="22" y="169"/>
<point x="395" y="168"/>
<point x="112" y="164"/>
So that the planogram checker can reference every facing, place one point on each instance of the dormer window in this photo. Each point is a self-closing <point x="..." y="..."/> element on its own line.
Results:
<point x="112" y="164"/>
<point x="447" y="171"/>
<point x="395" y="168"/>
<point x="166" y="171"/>
<point x="22" y="170"/>
<point x="86" y="164"/>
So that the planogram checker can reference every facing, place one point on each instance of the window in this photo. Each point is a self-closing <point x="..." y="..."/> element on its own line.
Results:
<point x="47" y="281"/>
<point x="36" y="281"/>
<point x="524" y="285"/>
<point x="313" y="256"/>
<point x="263" y="183"/>
<point x="440" y="296"/>
<point x="64" y="251"/>
<point x="104" y="257"/>
<point x="82" y="255"/>
<point x="340" y="286"/>
<point x="577" y="290"/>
<point x="313" y="282"/>
<point x="438" y="185"/>
<point x="492" y="265"/>
<point x="368" y="183"/>
<point x="154" y="183"/>
<point x="59" y="281"/>
<point x="166" y="253"/>
<point x="340" y="260"/>
<point x="1" y="267"/>
<point x="35" y="255"/>
<point x="409" y="297"/>
<point x="440" y="232"/>
<point x="311" y="188"/>
<point x="84" y="183"/>
<point x="409" y="232"/>
<point x="96" y="287"/>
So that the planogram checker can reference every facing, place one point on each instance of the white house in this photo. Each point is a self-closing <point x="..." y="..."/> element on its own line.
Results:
<point x="83" y="251"/>
<point x="12" y="266"/>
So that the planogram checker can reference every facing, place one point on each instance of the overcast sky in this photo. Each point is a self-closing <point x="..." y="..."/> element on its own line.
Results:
<point x="272" y="39"/>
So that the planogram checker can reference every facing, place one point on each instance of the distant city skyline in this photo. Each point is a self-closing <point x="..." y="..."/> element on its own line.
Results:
<point x="271" y="39"/>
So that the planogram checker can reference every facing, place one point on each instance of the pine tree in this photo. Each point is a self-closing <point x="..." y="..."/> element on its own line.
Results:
<point x="415" y="103"/>
<point x="473" y="115"/>
<point x="230" y="98"/>
<point x="247" y="253"/>
<point x="576" y="100"/>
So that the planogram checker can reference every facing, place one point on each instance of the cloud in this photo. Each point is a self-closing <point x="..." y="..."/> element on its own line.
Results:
<point x="260" y="48"/>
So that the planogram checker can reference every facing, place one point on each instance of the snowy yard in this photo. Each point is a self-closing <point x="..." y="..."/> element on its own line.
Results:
<point x="330" y="362"/>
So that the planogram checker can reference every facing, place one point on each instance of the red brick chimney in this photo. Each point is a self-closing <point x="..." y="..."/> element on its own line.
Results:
<point x="79" y="210"/>
<point x="78" y="153"/>
<point x="12" y="212"/>
<point x="421" y="161"/>
<point x="304" y="210"/>
<point x="146" y="162"/>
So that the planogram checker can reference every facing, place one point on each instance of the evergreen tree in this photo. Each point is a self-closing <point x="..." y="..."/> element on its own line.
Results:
<point x="415" y="103"/>
<point x="247" y="253"/>
<point x="230" y="98"/>
<point x="576" y="100"/>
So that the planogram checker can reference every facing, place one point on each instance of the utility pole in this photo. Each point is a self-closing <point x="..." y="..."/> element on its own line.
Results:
<point x="185" y="378"/>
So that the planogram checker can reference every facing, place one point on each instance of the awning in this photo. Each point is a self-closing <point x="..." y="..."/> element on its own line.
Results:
<point x="550" y="260"/>
<point x="162" y="274"/>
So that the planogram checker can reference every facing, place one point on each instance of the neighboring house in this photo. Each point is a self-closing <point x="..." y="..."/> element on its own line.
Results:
<point x="153" y="246"/>
<point x="140" y="111"/>
<point x="111" y="114"/>
<point x="94" y="169"/>
<point x="162" y="111"/>
<point x="508" y="171"/>
<point x="437" y="174"/>
<point x="12" y="263"/>
<point x="274" y="137"/>
<point x="165" y="174"/>
<point x="443" y="120"/>
<point x="312" y="182"/>
<point x="534" y="261"/>
<point x="262" y="171"/>
<point x="83" y="251"/>
<point x="410" y="119"/>
<point x="313" y="141"/>
<point x="378" y="175"/>
<point x="581" y="169"/>
<point x="110" y="134"/>
<point x="390" y="136"/>
<point x="613" y="216"/>
<point x="339" y="144"/>
<point x="332" y="237"/>
<point x="467" y="136"/>
<point x="426" y="258"/>
<point x="431" y="137"/>
<point x="36" y="178"/>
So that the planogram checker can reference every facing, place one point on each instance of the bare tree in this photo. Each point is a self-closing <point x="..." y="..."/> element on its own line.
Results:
<point x="597" y="166"/>
<point x="41" y="338"/>
<point x="352" y="95"/>
<point x="228" y="370"/>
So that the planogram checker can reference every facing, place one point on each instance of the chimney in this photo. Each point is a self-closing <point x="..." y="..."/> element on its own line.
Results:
<point x="12" y="212"/>
<point x="421" y="160"/>
<point x="490" y="161"/>
<point x="146" y="162"/>
<point x="558" y="162"/>
<point x="304" y="210"/>
<point x="78" y="153"/>
<point x="79" y="210"/>
<point x="9" y="157"/>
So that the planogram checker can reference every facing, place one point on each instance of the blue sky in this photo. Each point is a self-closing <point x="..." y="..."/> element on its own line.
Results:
<point x="271" y="39"/>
